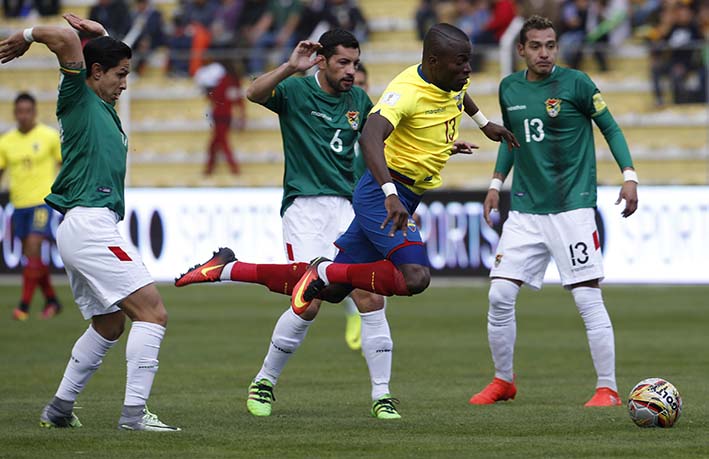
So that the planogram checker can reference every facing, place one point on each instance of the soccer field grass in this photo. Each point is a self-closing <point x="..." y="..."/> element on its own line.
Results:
<point x="218" y="335"/>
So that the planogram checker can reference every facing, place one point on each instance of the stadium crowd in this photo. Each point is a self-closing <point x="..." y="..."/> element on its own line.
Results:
<point x="260" y="33"/>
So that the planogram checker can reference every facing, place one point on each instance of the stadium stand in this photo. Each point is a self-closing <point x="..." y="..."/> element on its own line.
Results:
<point x="169" y="128"/>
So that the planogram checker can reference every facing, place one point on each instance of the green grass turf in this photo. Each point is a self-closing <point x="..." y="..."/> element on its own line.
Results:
<point x="218" y="335"/>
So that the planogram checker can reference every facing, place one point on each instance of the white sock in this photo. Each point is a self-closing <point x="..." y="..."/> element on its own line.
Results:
<point x="502" y="327"/>
<point x="377" y="347"/>
<point x="350" y="307"/>
<point x="599" y="331"/>
<point x="142" y="351"/>
<point x="226" y="271"/>
<point x="288" y="334"/>
<point x="86" y="356"/>
<point x="322" y="271"/>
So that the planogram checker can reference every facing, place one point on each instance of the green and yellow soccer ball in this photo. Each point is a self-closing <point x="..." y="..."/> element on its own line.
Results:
<point x="654" y="402"/>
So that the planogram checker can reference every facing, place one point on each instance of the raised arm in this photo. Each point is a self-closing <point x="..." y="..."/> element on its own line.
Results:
<point x="62" y="41"/>
<point x="262" y="87"/>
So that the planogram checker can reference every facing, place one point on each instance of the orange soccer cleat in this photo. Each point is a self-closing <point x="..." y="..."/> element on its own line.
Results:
<point x="308" y="287"/>
<point x="209" y="271"/>
<point x="19" y="314"/>
<point x="496" y="391"/>
<point x="604" y="396"/>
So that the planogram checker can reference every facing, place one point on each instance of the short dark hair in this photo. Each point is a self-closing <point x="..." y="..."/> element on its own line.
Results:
<point x="439" y="38"/>
<point x="25" y="97"/>
<point x="105" y="51"/>
<point x="362" y="68"/>
<point x="334" y="38"/>
<point x="535" y="22"/>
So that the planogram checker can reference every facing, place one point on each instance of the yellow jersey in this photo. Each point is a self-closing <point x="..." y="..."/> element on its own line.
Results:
<point x="31" y="159"/>
<point x="426" y="122"/>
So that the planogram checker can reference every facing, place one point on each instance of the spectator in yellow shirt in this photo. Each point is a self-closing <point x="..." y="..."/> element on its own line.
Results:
<point x="31" y="153"/>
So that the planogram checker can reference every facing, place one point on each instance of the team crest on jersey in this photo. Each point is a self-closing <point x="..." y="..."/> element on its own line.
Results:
<point x="353" y="119"/>
<point x="498" y="259"/>
<point x="553" y="107"/>
<point x="411" y="225"/>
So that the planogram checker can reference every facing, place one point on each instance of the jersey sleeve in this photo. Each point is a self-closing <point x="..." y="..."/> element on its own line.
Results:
<point x="277" y="101"/>
<point x="590" y="99"/>
<point x="72" y="89"/>
<point x="397" y="102"/>
<point x="505" y="158"/>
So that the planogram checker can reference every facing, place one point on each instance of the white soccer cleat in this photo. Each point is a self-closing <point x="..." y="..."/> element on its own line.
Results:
<point x="149" y="422"/>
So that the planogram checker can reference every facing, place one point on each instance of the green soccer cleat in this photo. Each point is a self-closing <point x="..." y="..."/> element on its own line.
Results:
<point x="383" y="408"/>
<point x="353" y="331"/>
<point x="51" y="419"/>
<point x="260" y="398"/>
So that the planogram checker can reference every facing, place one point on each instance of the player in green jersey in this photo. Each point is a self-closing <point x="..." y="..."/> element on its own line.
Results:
<point x="321" y="117"/>
<point x="107" y="277"/>
<point x="550" y="109"/>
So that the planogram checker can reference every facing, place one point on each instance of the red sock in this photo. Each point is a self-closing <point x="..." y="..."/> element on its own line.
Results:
<point x="46" y="284"/>
<point x="30" y="278"/>
<point x="379" y="277"/>
<point x="278" y="278"/>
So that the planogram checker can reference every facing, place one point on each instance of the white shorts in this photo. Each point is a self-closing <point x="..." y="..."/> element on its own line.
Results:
<point x="529" y="241"/>
<point x="312" y="224"/>
<point x="103" y="268"/>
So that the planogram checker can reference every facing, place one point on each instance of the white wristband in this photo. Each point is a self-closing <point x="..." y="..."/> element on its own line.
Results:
<point x="495" y="184"/>
<point x="27" y="35"/>
<point x="629" y="175"/>
<point x="389" y="188"/>
<point x="480" y="119"/>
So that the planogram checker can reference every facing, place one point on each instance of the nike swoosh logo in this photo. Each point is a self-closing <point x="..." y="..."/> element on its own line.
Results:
<point x="298" y="304"/>
<point x="204" y="271"/>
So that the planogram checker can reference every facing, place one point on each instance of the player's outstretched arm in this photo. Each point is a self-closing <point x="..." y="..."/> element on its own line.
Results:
<point x="491" y="130"/>
<point x="62" y="41"/>
<point x="299" y="61"/>
<point x="375" y="132"/>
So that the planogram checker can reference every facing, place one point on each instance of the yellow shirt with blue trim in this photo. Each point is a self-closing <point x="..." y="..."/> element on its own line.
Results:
<point x="426" y="122"/>
<point x="31" y="159"/>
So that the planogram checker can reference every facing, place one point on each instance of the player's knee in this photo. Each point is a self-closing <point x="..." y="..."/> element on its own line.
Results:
<point x="417" y="278"/>
<point x="589" y="302"/>
<point x="502" y="297"/>
<point x="367" y="301"/>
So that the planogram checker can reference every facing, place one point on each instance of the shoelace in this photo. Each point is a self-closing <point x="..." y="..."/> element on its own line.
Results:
<point x="264" y="392"/>
<point x="386" y="404"/>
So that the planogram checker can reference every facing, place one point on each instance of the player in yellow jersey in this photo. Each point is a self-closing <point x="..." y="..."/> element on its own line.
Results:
<point x="408" y="138"/>
<point x="31" y="153"/>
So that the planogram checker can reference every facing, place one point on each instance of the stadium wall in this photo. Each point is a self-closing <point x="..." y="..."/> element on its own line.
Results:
<point x="664" y="242"/>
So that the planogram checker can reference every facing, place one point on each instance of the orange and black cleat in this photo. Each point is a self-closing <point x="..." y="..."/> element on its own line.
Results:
<point x="210" y="271"/>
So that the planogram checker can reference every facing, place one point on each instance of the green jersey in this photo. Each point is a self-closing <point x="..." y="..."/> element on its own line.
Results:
<point x="319" y="135"/>
<point x="94" y="149"/>
<point x="555" y="167"/>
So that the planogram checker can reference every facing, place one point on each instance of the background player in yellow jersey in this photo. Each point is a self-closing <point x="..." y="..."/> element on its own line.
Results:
<point x="31" y="153"/>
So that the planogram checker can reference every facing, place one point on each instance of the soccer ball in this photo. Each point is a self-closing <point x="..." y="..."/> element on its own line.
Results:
<point x="654" y="402"/>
